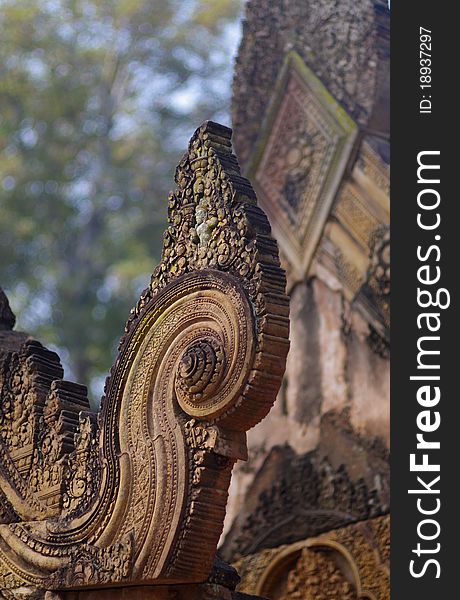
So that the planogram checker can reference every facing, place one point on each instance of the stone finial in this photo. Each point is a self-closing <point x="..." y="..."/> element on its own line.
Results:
<point x="7" y="317"/>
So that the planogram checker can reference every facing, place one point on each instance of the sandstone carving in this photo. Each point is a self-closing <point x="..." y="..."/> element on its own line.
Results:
<point x="137" y="493"/>
<point x="350" y="563"/>
<point x="299" y="160"/>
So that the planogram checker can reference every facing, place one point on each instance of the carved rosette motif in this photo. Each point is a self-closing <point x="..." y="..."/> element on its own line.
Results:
<point x="143" y="491"/>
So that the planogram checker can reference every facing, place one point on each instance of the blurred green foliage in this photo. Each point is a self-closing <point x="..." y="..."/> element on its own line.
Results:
<point x="97" y="101"/>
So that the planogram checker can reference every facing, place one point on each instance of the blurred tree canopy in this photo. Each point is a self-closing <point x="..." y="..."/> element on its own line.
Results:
<point x="97" y="101"/>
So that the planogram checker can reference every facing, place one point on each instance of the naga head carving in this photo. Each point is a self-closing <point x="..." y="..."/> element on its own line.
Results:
<point x="139" y="494"/>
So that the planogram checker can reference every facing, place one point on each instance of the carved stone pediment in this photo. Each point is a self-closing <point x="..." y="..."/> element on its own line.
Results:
<point x="137" y="493"/>
<point x="299" y="161"/>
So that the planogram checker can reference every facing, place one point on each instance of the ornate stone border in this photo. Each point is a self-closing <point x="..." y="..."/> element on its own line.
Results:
<point x="336" y="134"/>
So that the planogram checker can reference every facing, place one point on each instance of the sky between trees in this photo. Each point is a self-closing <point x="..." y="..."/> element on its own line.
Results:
<point x="98" y="99"/>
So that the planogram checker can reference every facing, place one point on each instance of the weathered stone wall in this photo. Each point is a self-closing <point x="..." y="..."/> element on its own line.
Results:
<point x="320" y="459"/>
<point x="325" y="445"/>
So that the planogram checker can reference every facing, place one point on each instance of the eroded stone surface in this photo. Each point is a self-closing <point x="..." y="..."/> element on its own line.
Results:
<point x="327" y="438"/>
<point x="350" y="563"/>
<point x="137" y="493"/>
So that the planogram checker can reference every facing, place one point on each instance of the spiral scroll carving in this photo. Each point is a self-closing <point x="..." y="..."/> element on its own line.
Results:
<point x="216" y="354"/>
<point x="200" y="362"/>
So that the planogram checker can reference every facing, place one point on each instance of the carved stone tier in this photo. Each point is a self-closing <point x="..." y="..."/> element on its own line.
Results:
<point x="137" y="496"/>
